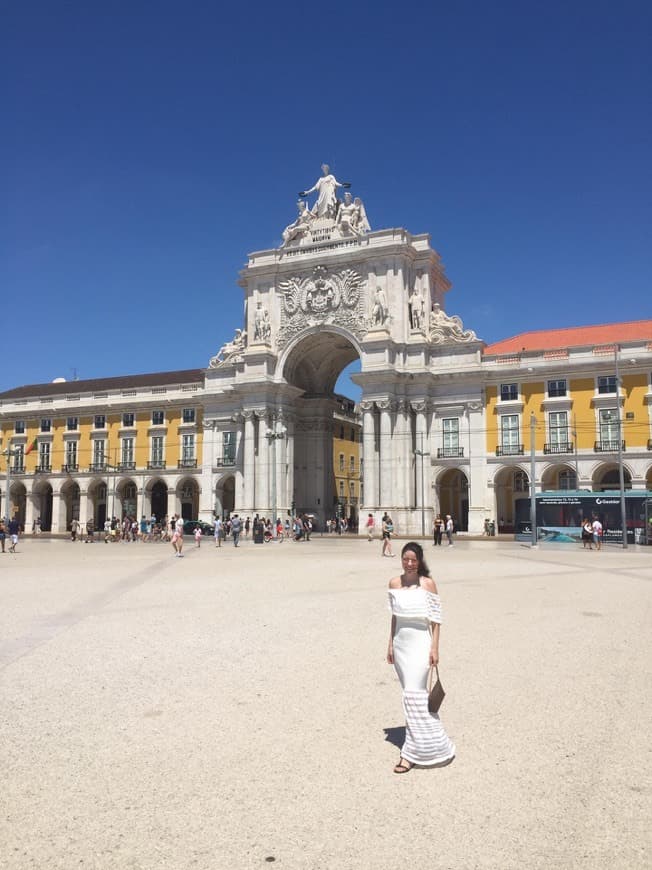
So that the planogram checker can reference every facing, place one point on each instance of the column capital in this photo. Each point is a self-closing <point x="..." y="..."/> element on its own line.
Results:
<point x="246" y="414"/>
<point x="420" y="406"/>
<point x="385" y="405"/>
<point x="367" y="406"/>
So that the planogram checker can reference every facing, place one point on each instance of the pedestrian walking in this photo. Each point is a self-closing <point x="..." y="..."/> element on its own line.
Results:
<point x="3" y="533"/>
<point x="437" y="528"/>
<point x="177" y="537"/>
<point x="236" y="528"/>
<point x="74" y="529"/>
<point x="449" y="529"/>
<point x="217" y="532"/>
<point x="388" y="528"/>
<point x="14" y="529"/>
<point x="198" y="536"/>
<point x="370" y="527"/>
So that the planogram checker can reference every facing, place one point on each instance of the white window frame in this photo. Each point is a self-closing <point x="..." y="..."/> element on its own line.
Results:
<point x="559" y="435"/>
<point x="188" y="447"/>
<point x="127" y="450"/>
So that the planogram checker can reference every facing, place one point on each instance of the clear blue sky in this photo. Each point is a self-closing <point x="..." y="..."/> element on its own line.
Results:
<point x="147" y="147"/>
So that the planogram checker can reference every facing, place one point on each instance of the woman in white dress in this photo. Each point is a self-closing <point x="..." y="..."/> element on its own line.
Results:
<point x="413" y="649"/>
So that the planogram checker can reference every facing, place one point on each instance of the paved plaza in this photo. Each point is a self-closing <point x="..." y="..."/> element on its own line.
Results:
<point x="233" y="709"/>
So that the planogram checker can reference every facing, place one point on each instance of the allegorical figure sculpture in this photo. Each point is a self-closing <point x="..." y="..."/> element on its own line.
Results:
<point x="262" y="326"/>
<point x="231" y="349"/>
<point x="325" y="187"/>
<point x="298" y="228"/>
<point x="351" y="216"/>
<point x="417" y="310"/>
<point x="380" y="312"/>
<point x="444" y="328"/>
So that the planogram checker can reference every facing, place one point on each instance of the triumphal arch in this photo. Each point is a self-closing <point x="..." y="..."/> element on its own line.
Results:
<point x="333" y="291"/>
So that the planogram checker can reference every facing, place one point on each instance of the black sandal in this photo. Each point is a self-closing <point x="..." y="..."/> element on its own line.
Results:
<point x="403" y="766"/>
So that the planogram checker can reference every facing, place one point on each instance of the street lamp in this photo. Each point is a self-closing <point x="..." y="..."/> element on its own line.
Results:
<point x="273" y="435"/>
<point x="621" y="471"/>
<point x="422" y="453"/>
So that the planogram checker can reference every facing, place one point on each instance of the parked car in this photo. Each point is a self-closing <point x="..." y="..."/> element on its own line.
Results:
<point x="189" y="527"/>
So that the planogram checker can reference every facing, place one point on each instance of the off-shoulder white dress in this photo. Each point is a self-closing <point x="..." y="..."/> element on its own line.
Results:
<point x="426" y="742"/>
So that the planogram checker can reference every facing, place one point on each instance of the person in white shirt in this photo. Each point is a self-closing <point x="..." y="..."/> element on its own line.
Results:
<point x="177" y="537"/>
<point x="449" y="529"/>
<point x="597" y="533"/>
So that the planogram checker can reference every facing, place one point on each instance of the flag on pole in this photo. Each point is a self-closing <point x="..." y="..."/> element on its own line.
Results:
<point x="31" y="447"/>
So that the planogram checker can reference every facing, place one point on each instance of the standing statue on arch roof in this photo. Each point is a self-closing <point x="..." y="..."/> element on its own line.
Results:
<point x="325" y="187"/>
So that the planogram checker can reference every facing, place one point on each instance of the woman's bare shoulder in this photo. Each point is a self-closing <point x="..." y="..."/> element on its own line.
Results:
<point x="429" y="584"/>
<point x="395" y="583"/>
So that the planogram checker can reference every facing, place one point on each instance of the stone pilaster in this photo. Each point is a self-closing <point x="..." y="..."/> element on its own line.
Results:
<point x="385" y="499"/>
<point x="369" y="455"/>
<point x="249" y="473"/>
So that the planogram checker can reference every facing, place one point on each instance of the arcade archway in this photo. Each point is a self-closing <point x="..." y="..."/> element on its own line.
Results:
<point x="312" y="365"/>
<point x="453" y="492"/>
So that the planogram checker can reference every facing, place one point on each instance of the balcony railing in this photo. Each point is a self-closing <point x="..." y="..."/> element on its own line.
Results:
<point x="18" y="469"/>
<point x="97" y="466"/>
<point x="225" y="461"/>
<point x="607" y="446"/>
<point x="126" y="466"/>
<point x="450" y="452"/>
<point x="510" y="450"/>
<point x="156" y="464"/>
<point x="187" y="463"/>
<point x="69" y="467"/>
<point x="567" y="447"/>
<point x="45" y="467"/>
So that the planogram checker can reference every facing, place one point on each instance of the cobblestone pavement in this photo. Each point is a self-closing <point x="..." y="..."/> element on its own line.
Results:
<point x="234" y="707"/>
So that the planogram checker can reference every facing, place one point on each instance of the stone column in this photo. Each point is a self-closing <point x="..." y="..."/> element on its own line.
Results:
<point x="83" y="508"/>
<point x="423" y="446"/>
<point x="479" y="509"/>
<point x="262" y="465"/>
<point x="288" y="469"/>
<point x="248" y="498"/>
<point x="30" y="512"/>
<point x="386" y="498"/>
<point x="369" y="455"/>
<point x="172" y="502"/>
<point x="402" y="456"/>
<point x="57" y="525"/>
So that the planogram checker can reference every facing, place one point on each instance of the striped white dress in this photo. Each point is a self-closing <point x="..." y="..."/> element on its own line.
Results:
<point x="426" y="742"/>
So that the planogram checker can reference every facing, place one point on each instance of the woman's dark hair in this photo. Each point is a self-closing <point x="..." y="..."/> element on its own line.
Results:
<point x="417" y="549"/>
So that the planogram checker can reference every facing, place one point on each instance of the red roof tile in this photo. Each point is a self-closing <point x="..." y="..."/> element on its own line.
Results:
<point x="574" y="336"/>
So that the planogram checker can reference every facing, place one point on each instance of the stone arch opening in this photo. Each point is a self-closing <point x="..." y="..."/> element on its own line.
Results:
<point x="126" y="498"/>
<point x="69" y="504"/>
<point x="188" y="498"/>
<point x="42" y="506"/>
<point x="453" y="496"/>
<point x="158" y="497"/>
<point x="607" y="477"/>
<point x="312" y="365"/>
<point x="559" y="477"/>
<point x="17" y="507"/>
<point x="512" y="490"/>
<point x="225" y="496"/>
<point x="97" y="502"/>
